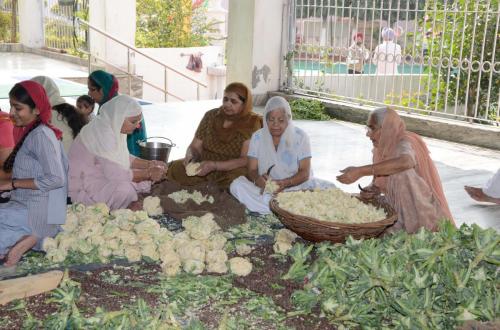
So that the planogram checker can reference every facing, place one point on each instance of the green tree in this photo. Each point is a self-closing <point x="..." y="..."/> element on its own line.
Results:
<point x="474" y="22"/>
<point x="173" y="23"/>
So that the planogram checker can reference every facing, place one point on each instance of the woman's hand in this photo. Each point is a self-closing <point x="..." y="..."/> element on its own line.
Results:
<point x="351" y="174"/>
<point x="157" y="173"/>
<point x="206" y="167"/>
<point x="157" y="163"/>
<point x="282" y="184"/>
<point x="5" y="185"/>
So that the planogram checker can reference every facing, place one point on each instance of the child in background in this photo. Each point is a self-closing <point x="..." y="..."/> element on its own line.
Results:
<point x="85" y="105"/>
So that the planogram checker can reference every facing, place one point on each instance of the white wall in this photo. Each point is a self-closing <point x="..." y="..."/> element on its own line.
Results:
<point x="254" y="44"/>
<point x="117" y="18"/>
<point x="31" y="23"/>
<point x="268" y="23"/>
<point x="176" y="84"/>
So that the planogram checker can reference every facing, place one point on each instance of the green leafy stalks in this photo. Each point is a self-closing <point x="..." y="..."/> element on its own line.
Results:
<point x="422" y="281"/>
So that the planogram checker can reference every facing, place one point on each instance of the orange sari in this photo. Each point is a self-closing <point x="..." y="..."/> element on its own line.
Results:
<point x="416" y="194"/>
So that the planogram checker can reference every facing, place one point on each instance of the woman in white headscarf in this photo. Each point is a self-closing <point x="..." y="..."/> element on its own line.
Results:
<point x="279" y="152"/>
<point x="64" y="115"/>
<point x="387" y="55"/>
<point x="101" y="168"/>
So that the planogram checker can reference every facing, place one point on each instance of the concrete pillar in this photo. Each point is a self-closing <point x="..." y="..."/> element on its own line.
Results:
<point x="31" y="23"/>
<point x="117" y="18"/>
<point x="216" y="12"/>
<point x="254" y="45"/>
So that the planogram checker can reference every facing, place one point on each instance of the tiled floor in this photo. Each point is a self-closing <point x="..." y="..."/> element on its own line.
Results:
<point x="336" y="145"/>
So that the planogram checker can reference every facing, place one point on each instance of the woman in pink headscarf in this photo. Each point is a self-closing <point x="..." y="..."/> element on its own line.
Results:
<point x="403" y="171"/>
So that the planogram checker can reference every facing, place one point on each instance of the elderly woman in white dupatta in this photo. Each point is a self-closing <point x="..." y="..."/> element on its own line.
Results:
<point x="279" y="152"/>
<point x="101" y="168"/>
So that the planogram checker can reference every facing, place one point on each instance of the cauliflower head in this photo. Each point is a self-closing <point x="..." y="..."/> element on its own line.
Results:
<point x="240" y="266"/>
<point x="151" y="205"/>
<point x="243" y="249"/>
<point x="49" y="244"/>
<point x="192" y="250"/>
<point x="192" y="169"/>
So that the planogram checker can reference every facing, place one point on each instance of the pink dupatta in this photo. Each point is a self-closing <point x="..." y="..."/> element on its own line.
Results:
<point x="393" y="131"/>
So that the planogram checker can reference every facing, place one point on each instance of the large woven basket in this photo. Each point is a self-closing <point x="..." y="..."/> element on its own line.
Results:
<point x="316" y="230"/>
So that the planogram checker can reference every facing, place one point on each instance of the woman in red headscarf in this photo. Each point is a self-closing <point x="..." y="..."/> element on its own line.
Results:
<point x="403" y="171"/>
<point x="38" y="182"/>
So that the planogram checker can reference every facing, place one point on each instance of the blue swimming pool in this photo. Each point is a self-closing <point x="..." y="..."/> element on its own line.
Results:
<point x="342" y="67"/>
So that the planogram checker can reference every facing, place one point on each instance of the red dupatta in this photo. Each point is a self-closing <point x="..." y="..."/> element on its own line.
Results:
<point x="39" y="97"/>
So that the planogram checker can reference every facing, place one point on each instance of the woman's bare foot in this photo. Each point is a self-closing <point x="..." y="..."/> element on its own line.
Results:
<point x="17" y="251"/>
<point x="479" y="195"/>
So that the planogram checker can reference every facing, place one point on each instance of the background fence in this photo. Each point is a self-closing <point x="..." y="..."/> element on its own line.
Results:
<point x="435" y="57"/>
<point x="61" y="32"/>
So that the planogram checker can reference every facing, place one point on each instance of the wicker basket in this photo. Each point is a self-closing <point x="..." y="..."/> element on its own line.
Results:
<point x="316" y="230"/>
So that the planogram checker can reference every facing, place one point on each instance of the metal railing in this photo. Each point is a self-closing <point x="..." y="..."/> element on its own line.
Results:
<point x="434" y="57"/>
<point x="132" y="52"/>
<point x="58" y="24"/>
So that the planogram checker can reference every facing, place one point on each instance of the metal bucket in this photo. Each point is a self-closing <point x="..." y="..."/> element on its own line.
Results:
<point x="155" y="150"/>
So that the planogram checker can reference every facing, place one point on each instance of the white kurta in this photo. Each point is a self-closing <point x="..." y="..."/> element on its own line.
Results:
<point x="387" y="56"/>
<point x="287" y="165"/>
<point x="492" y="187"/>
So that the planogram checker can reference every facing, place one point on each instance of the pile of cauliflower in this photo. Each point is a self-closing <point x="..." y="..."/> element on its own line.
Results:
<point x="182" y="196"/>
<point x="329" y="205"/>
<point x="133" y="235"/>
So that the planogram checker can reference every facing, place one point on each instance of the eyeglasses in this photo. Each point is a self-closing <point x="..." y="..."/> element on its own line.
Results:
<point x="371" y="130"/>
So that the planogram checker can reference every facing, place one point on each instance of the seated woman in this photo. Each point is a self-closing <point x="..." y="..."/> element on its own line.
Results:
<point x="281" y="149"/>
<point x="39" y="170"/>
<point x="221" y="141"/>
<point x="490" y="193"/>
<point x="403" y="171"/>
<point x="103" y="87"/>
<point x="64" y="115"/>
<point x="101" y="167"/>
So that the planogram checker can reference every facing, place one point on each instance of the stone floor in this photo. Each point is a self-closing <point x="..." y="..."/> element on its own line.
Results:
<point x="336" y="145"/>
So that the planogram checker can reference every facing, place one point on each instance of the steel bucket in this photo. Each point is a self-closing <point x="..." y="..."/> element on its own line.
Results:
<point x="155" y="150"/>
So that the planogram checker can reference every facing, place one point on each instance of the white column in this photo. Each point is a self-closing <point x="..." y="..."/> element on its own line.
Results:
<point x="31" y="23"/>
<point x="117" y="18"/>
<point x="254" y="45"/>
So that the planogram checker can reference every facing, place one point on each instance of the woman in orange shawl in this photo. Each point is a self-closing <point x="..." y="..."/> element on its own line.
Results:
<point x="221" y="141"/>
<point x="403" y="171"/>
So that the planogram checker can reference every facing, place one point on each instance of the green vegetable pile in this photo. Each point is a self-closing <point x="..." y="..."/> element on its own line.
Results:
<point x="422" y="281"/>
<point x="308" y="109"/>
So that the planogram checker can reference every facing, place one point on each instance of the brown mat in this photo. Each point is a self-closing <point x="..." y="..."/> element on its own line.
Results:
<point x="227" y="210"/>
